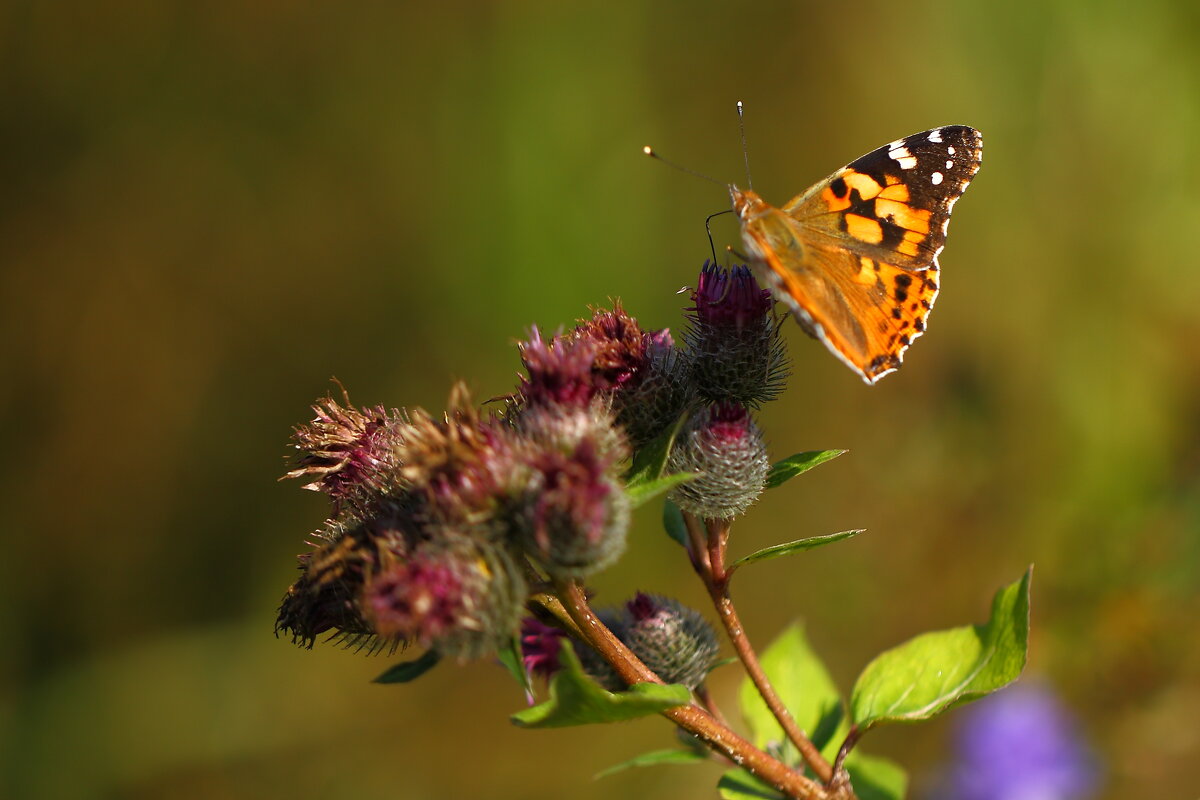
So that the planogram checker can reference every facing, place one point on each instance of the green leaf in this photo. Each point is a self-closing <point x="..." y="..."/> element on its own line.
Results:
<point x="936" y="671"/>
<point x="804" y="686"/>
<point x="876" y="778"/>
<point x="650" y="461"/>
<point x="641" y="493"/>
<point x="511" y="657"/>
<point x="783" y="471"/>
<point x="407" y="671"/>
<point x="738" y="784"/>
<point x="669" y="756"/>
<point x="576" y="699"/>
<point x="673" y="522"/>
<point x="786" y="549"/>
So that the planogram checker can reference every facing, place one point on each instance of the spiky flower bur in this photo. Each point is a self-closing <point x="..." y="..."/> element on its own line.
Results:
<point x="724" y="445"/>
<point x="350" y="454"/>
<point x="733" y="340"/>
<point x="429" y="558"/>
<point x="671" y="639"/>
<point x="575" y="513"/>
<point x="559" y="371"/>
<point x="650" y="405"/>
<point x="326" y="597"/>
<point x="618" y="345"/>
<point x="456" y="593"/>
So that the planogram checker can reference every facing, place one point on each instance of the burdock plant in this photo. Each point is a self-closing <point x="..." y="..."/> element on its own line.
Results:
<point x="471" y="534"/>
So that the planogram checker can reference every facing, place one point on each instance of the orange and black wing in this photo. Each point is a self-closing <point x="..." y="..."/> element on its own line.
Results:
<point x="894" y="203"/>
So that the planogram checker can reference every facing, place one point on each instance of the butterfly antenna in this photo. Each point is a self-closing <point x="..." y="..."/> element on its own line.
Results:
<point x="648" y="150"/>
<point x="745" y="150"/>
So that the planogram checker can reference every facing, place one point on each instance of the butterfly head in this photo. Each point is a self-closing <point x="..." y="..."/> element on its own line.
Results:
<point x="746" y="203"/>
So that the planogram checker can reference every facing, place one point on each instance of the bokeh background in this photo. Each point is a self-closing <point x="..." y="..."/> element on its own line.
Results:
<point x="209" y="209"/>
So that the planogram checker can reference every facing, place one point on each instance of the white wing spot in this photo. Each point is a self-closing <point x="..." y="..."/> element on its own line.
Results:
<point x="950" y="150"/>
<point x="949" y="164"/>
<point x="936" y="178"/>
<point x="902" y="157"/>
<point x="935" y="135"/>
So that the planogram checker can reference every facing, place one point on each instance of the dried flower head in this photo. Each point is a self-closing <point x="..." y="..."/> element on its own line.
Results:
<point x="734" y="341"/>
<point x="617" y="341"/>
<point x="457" y="593"/>
<point x="350" y="454"/>
<point x="559" y="371"/>
<point x="722" y="443"/>
<point x="326" y="597"/>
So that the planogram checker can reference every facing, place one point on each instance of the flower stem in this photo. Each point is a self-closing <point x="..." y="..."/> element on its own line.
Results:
<point x="691" y="718"/>
<point x="716" y="580"/>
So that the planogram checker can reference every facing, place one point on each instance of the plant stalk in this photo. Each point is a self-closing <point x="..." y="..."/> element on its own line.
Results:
<point x="691" y="718"/>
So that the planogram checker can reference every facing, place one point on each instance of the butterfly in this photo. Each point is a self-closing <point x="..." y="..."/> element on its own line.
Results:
<point x="855" y="257"/>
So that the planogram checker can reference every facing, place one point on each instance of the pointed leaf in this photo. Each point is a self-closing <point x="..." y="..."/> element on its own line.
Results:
<point x="407" y="671"/>
<point x="511" y="657"/>
<point x="875" y="778"/>
<point x="935" y="671"/>
<point x="576" y="699"/>
<point x="787" y="548"/>
<point x="669" y="756"/>
<point x="802" y="683"/>
<point x="738" y="784"/>
<point x="673" y="522"/>
<point x="783" y="471"/>
<point x="641" y="493"/>
<point x="650" y="461"/>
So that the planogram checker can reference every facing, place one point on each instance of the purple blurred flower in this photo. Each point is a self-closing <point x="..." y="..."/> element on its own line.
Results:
<point x="1020" y="744"/>
<point x="540" y="644"/>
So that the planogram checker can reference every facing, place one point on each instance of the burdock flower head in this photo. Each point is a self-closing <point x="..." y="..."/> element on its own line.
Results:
<point x="559" y="371"/>
<point x="326" y="597"/>
<point x="429" y="559"/>
<point x="733" y="340"/>
<point x="348" y="453"/>
<point x="619" y="347"/>
<point x="576" y="513"/>
<point x="722" y="443"/>
<point x="671" y="639"/>
<point x="650" y="405"/>
<point x="456" y="593"/>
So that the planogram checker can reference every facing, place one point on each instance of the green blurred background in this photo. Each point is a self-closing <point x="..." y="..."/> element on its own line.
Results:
<point x="208" y="209"/>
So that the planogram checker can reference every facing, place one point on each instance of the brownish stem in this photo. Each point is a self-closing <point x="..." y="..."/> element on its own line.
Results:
<point x="717" y="582"/>
<point x="691" y="718"/>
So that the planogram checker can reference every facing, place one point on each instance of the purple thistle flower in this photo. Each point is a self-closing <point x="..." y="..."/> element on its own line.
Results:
<point x="560" y="371"/>
<point x="729" y="299"/>
<point x="734" y="342"/>
<point x="1019" y="744"/>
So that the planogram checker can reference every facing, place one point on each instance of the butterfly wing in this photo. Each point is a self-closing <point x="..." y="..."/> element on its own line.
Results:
<point x="894" y="203"/>
<point x="866" y="311"/>
<point x="856" y="256"/>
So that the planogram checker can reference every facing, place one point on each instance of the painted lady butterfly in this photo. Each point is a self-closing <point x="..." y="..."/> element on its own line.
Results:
<point x="855" y="257"/>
